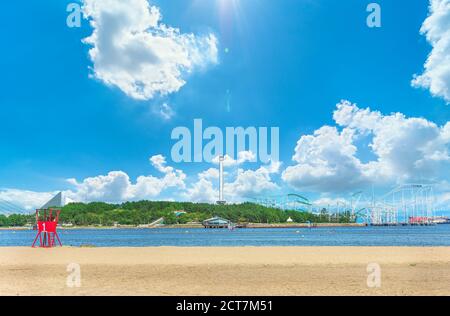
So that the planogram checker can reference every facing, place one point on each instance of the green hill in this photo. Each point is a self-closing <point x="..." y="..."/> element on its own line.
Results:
<point x="145" y="212"/>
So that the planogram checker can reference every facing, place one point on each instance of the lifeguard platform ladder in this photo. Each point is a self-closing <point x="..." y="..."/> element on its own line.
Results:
<point x="46" y="223"/>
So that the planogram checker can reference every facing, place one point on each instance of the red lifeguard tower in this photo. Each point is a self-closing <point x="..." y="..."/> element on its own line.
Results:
<point x="46" y="223"/>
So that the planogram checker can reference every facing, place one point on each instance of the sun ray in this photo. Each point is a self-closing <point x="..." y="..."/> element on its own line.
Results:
<point x="231" y="20"/>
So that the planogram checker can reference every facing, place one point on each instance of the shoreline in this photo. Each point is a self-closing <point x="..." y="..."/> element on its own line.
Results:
<point x="190" y="226"/>
<point x="226" y="271"/>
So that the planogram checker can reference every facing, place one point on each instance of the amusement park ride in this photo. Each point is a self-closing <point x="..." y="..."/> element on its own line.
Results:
<point x="46" y="225"/>
<point x="410" y="204"/>
<point x="293" y="202"/>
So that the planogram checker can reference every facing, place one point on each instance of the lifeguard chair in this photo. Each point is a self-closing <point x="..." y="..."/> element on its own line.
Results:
<point x="46" y="224"/>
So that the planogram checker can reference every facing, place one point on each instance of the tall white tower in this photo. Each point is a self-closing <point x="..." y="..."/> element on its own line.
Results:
<point x="221" y="199"/>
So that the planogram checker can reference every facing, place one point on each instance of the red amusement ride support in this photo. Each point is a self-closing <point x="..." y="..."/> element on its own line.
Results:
<point x="46" y="223"/>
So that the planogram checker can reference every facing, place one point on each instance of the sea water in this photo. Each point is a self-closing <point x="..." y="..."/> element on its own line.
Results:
<point x="187" y="237"/>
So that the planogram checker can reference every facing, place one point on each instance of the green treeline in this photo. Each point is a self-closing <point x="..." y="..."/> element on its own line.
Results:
<point x="145" y="212"/>
<point x="15" y="220"/>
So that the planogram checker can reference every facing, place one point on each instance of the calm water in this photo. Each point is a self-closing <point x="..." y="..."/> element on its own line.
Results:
<point x="367" y="236"/>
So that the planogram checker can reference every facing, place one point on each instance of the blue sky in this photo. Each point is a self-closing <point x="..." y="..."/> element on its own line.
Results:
<point x="279" y="63"/>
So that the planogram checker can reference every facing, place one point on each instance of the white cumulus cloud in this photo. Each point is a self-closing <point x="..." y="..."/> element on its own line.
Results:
<point x="133" y="50"/>
<point x="436" y="28"/>
<point x="117" y="186"/>
<point x="238" y="186"/>
<point x="242" y="157"/>
<point x="326" y="161"/>
<point x="250" y="183"/>
<point x="210" y="174"/>
<point x="203" y="190"/>
<point x="404" y="149"/>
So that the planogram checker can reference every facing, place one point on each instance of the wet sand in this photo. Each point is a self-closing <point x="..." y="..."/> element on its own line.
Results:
<point x="225" y="271"/>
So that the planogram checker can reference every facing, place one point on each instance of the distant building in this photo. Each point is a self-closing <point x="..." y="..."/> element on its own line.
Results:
<point x="216" y="222"/>
<point x="59" y="200"/>
<point x="289" y="220"/>
<point x="179" y="213"/>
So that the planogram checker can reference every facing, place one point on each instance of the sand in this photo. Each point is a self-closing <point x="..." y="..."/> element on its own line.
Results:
<point x="225" y="271"/>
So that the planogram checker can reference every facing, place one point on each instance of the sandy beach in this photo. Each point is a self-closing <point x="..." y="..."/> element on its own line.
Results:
<point x="225" y="271"/>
